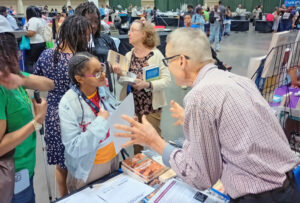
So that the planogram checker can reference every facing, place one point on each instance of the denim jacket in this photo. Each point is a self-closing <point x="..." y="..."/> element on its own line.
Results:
<point x="199" y="19"/>
<point x="82" y="130"/>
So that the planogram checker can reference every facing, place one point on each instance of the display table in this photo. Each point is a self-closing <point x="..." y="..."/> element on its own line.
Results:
<point x="125" y="47"/>
<point x="167" y="21"/>
<point x="240" y="25"/>
<point x="263" y="26"/>
<point x="244" y="17"/>
<point x="124" y="18"/>
<point x="130" y="187"/>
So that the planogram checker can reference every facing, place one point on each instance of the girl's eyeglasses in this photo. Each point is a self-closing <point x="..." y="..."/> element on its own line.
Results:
<point x="98" y="74"/>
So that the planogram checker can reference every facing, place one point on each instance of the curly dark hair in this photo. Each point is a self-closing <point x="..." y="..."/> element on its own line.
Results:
<point x="89" y="8"/>
<point x="73" y="33"/>
<point x="33" y="11"/>
<point x="77" y="64"/>
<point x="9" y="54"/>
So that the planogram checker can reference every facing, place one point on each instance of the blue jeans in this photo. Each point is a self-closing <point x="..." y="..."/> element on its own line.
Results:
<point x="26" y="196"/>
<point x="227" y="29"/>
<point x="129" y="18"/>
<point x="222" y="26"/>
<point x="215" y="34"/>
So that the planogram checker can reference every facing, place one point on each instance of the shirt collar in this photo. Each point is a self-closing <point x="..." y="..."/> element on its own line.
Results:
<point x="101" y="92"/>
<point x="203" y="72"/>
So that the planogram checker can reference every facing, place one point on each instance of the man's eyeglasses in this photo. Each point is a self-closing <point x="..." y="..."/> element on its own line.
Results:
<point x="98" y="74"/>
<point x="166" y="60"/>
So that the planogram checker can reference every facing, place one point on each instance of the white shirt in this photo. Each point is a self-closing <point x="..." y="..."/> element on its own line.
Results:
<point x="106" y="10"/>
<point x="134" y="12"/>
<point x="37" y="25"/>
<point x="105" y="26"/>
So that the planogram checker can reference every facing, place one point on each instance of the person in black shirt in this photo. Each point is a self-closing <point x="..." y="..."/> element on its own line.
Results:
<point x="101" y="43"/>
<point x="190" y="10"/>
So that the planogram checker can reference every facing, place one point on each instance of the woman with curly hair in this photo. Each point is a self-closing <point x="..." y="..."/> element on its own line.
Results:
<point x="149" y="97"/>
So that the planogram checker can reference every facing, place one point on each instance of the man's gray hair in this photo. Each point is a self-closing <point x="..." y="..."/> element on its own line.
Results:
<point x="191" y="42"/>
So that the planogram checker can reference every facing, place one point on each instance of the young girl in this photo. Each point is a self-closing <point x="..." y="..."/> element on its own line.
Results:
<point x="83" y="111"/>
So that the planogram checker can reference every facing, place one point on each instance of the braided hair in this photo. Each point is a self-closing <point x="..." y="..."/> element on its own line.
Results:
<point x="77" y="64"/>
<point x="73" y="33"/>
<point x="89" y="8"/>
<point x="9" y="54"/>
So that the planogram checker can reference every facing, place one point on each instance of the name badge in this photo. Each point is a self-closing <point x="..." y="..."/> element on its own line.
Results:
<point x="21" y="181"/>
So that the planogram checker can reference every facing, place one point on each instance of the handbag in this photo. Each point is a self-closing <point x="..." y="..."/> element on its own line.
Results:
<point x="25" y="43"/>
<point x="7" y="177"/>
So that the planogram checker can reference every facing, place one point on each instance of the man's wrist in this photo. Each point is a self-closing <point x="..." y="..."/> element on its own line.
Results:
<point x="158" y="145"/>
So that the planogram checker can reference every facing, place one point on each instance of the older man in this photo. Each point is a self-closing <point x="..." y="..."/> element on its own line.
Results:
<point x="230" y="131"/>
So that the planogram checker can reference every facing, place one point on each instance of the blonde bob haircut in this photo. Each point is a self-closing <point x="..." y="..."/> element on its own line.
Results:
<point x="151" y="39"/>
<point x="191" y="42"/>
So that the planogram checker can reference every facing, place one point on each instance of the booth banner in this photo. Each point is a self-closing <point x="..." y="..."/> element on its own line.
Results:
<point x="292" y="3"/>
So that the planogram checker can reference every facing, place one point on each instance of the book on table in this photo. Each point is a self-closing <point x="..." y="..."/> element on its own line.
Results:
<point x="142" y="168"/>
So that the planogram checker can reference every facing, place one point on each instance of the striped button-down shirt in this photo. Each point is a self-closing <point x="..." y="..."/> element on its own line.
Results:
<point x="231" y="134"/>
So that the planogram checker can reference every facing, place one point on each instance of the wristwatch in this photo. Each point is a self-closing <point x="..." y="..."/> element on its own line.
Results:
<point x="37" y="126"/>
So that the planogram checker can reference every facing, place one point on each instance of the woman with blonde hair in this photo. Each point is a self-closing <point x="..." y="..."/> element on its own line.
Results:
<point x="149" y="97"/>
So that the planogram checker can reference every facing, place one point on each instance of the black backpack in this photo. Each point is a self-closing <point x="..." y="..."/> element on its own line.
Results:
<point x="212" y="17"/>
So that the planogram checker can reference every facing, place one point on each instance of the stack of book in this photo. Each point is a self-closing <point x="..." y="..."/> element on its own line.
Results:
<point x="142" y="168"/>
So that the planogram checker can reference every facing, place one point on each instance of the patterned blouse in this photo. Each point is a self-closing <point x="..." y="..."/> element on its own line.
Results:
<point x="142" y="98"/>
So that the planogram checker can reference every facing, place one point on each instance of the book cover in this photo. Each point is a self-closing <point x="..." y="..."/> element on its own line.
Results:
<point x="142" y="168"/>
<point x="151" y="73"/>
<point x="115" y="58"/>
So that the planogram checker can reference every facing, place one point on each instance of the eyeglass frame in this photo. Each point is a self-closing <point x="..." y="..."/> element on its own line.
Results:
<point x="98" y="74"/>
<point x="166" y="60"/>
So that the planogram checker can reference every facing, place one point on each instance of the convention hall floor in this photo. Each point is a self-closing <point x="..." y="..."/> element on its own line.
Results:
<point x="236" y="50"/>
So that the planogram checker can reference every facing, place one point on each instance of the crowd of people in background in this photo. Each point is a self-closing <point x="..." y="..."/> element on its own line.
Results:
<point x="284" y="18"/>
<point x="215" y="20"/>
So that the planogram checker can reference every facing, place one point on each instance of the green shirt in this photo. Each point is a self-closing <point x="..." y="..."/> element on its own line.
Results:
<point x="15" y="108"/>
<point x="206" y="15"/>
